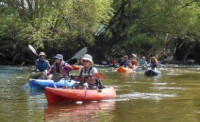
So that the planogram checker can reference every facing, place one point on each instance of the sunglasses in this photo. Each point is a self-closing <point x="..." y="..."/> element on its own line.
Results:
<point x="85" y="61"/>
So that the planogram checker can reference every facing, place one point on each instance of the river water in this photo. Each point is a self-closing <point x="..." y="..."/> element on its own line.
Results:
<point x="174" y="97"/>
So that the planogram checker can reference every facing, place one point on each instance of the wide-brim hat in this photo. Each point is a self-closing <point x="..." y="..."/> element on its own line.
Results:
<point x="42" y="53"/>
<point x="87" y="57"/>
<point x="125" y="56"/>
<point x="59" y="56"/>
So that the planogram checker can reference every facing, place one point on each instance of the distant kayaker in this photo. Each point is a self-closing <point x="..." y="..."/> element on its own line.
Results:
<point x="114" y="63"/>
<point x="86" y="74"/>
<point x="154" y="63"/>
<point x="126" y="62"/>
<point x="134" y="61"/>
<point x="60" y="67"/>
<point x="143" y="63"/>
<point x="42" y="64"/>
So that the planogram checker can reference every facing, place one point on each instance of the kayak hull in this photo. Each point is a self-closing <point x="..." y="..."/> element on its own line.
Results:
<point x="55" y="95"/>
<point x="152" y="73"/>
<point x="41" y="84"/>
<point x="123" y="69"/>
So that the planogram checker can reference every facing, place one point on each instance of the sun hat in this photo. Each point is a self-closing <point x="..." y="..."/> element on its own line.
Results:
<point x="42" y="53"/>
<point x="87" y="57"/>
<point x="59" y="56"/>
<point x="125" y="56"/>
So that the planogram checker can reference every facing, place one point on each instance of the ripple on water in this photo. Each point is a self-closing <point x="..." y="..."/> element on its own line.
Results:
<point x="169" y="88"/>
<point x="137" y="95"/>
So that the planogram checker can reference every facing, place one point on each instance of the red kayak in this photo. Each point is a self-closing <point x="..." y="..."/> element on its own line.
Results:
<point x="55" y="95"/>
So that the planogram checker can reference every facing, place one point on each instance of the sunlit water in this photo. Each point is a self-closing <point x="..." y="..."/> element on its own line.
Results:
<point x="174" y="96"/>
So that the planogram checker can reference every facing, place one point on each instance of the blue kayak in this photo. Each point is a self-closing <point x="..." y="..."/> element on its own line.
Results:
<point x="152" y="72"/>
<point x="41" y="84"/>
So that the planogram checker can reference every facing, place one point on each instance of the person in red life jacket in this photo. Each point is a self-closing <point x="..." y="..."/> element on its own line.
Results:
<point x="134" y="60"/>
<point x="86" y="77"/>
<point x="60" y="67"/>
<point x="114" y="63"/>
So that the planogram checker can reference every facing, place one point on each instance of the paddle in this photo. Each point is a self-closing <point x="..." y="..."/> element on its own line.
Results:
<point x="96" y="75"/>
<point x="33" y="49"/>
<point x="77" y="56"/>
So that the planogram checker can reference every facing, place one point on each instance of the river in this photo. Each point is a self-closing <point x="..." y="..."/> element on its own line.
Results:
<point x="173" y="96"/>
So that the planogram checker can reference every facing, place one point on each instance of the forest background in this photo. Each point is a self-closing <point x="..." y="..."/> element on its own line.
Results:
<point x="167" y="29"/>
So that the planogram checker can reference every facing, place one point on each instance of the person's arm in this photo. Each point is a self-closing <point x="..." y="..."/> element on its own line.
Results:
<point x="51" y="70"/>
<point x="68" y="67"/>
<point x="93" y="71"/>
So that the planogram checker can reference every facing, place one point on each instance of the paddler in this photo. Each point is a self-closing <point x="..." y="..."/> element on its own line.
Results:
<point x="42" y="64"/>
<point x="86" y="75"/>
<point x="60" y="67"/>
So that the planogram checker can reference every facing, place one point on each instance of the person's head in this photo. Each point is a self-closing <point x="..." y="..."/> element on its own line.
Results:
<point x="87" y="60"/>
<point x="143" y="58"/>
<point x="125" y="57"/>
<point x="42" y="55"/>
<point x="153" y="60"/>
<point x="58" y="58"/>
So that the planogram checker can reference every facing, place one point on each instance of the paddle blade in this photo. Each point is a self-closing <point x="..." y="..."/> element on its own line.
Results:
<point x="32" y="49"/>
<point x="80" y="53"/>
<point x="99" y="76"/>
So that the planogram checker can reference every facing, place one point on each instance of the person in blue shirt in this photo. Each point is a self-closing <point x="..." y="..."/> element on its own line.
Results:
<point x="126" y="62"/>
<point x="42" y="64"/>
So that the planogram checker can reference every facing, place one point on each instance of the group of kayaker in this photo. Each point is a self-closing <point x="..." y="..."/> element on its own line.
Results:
<point x="85" y="78"/>
<point x="136" y="62"/>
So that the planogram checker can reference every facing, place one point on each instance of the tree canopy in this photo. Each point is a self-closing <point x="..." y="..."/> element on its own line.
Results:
<point x="110" y="28"/>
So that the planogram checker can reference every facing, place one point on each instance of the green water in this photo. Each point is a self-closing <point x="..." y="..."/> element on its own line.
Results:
<point x="174" y="97"/>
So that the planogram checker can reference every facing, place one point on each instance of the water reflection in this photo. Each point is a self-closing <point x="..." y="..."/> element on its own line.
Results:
<point x="80" y="112"/>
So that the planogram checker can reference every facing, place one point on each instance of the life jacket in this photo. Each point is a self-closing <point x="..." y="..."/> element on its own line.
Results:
<point x="41" y="64"/>
<point x="82" y="71"/>
<point x="133" y="62"/>
<point x="61" y="70"/>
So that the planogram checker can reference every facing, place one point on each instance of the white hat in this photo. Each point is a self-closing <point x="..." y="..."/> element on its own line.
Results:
<point x="88" y="58"/>
<point x="42" y="53"/>
<point x="134" y="55"/>
<point x="59" y="56"/>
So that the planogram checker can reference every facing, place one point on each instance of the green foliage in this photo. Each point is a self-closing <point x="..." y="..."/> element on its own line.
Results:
<point x="54" y="21"/>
